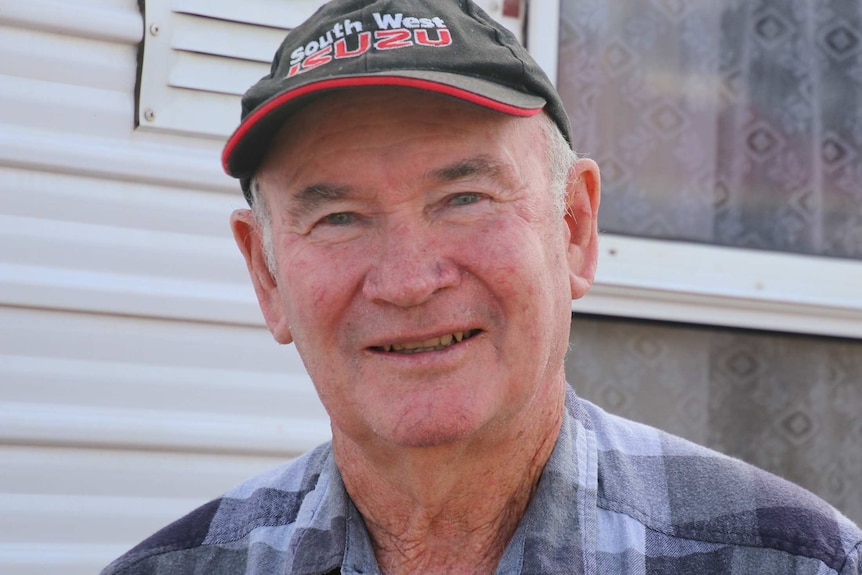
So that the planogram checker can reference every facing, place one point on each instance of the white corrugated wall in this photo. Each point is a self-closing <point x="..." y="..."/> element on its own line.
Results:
<point x="136" y="377"/>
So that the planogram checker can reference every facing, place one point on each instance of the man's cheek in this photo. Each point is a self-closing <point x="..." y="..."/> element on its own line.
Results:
<point x="320" y="295"/>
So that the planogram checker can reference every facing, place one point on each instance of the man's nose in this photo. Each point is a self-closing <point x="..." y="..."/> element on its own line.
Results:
<point x="412" y="262"/>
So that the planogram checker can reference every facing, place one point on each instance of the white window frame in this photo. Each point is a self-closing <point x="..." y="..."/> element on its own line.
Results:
<point x="707" y="284"/>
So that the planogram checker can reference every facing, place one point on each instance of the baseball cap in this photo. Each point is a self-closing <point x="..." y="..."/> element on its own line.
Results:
<point x="451" y="47"/>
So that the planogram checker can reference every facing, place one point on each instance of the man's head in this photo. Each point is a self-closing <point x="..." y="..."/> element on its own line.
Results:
<point x="420" y="248"/>
<point x="403" y="222"/>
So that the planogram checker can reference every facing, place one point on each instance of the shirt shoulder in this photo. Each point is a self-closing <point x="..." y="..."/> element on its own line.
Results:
<point x="680" y="491"/>
<point x="216" y="533"/>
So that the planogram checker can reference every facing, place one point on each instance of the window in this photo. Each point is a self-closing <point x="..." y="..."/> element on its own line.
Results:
<point x="721" y="127"/>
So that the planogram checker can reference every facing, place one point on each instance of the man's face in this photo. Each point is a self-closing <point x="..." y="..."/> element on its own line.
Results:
<point x="421" y="268"/>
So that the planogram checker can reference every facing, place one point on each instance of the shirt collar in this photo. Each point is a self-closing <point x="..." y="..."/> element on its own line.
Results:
<point x="560" y="522"/>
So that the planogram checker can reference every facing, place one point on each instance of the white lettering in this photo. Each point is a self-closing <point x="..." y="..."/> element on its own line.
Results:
<point x="398" y="37"/>
<point x="386" y="21"/>
<point x="297" y="55"/>
<point x="352" y="27"/>
<point x="325" y="40"/>
<point x="311" y="48"/>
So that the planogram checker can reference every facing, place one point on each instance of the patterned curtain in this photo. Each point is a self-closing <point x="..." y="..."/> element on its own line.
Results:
<point x="733" y="122"/>
<point x="789" y="404"/>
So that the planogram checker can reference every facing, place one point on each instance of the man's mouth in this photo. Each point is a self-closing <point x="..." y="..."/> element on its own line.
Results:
<point x="433" y="344"/>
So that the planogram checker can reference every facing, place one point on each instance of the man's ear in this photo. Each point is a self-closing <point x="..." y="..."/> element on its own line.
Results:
<point x="249" y="240"/>
<point x="582" y="210"/>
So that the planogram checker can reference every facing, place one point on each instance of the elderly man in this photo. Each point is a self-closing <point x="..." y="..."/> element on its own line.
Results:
<point x="419" y="226"/>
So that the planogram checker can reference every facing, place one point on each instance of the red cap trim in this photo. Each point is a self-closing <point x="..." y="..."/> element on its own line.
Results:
<point x="427" y="85"/>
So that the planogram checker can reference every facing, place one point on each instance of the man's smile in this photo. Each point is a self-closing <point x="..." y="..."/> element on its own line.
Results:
<point x="432" y="344"/>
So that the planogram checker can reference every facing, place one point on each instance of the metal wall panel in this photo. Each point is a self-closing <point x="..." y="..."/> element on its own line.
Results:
<point x="137" y="379"/>
<point x="69" y="510"/>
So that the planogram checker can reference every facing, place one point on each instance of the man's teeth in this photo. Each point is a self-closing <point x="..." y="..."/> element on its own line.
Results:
<point x="433" y="344"/>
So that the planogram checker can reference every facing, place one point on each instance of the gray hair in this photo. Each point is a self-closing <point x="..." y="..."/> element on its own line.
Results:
<point x="560" y="156"/>
<point x="263" y="220"/>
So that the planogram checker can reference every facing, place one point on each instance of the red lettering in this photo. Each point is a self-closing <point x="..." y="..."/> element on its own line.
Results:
<point x="319" y="58"/>
<point x="294" y="70"/>
<point x="392" y="39"/>
<point x="443" y="37"/>
<point x="341" y="50"/>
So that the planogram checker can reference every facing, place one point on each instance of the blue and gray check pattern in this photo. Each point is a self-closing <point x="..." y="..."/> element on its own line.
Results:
<point x="616" y="497"/>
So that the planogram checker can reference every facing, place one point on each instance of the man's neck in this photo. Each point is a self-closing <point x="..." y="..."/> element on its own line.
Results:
<point x="449" y="509"/>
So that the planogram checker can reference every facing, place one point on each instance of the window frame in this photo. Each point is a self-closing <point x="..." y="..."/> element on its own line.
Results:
<point x="681" y="281"/>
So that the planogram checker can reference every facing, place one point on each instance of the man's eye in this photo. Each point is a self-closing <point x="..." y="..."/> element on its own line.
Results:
<point x="340" y="218"/>
<point x="464" y="199"/>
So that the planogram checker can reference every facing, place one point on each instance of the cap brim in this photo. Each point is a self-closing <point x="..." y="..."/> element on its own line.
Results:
<point x="246" y="146"/>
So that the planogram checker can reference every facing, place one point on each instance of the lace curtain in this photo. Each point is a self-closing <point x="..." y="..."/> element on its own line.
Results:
<point x="734" y="122"/>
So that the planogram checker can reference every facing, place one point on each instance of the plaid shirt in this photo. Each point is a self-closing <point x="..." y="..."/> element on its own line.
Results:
<point x="615" y="497"/>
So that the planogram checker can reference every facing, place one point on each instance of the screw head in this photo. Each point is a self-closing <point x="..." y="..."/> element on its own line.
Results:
<point x="149" y="115"/>
<point x="155" y="29"/>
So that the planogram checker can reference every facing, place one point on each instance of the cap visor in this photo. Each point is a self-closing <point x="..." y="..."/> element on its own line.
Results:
<point x="245" y="147"/>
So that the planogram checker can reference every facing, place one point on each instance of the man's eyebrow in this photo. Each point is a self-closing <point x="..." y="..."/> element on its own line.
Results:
<point x="310" y="198"/>
<point x="471" y="169"/>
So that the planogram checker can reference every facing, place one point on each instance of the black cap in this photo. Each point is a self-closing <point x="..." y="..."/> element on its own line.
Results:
<point x="451" y="47"/>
